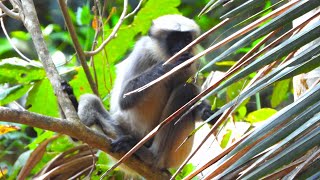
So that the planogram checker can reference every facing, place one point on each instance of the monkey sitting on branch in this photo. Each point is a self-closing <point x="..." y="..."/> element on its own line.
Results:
<point x="134" y="116"/>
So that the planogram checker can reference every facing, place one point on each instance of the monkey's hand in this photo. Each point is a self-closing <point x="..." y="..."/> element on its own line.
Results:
<point x="123" y="143"/>
<point x="127" y="142"/>
<point x="206" y="112"/>
<point x="68" y="89"/>
<point x="171" y="65"/>
<point x="182" y="58"/>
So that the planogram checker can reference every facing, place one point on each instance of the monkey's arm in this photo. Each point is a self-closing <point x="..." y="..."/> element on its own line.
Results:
<point x="137" y="82"/>
<point x="144" y="78"/>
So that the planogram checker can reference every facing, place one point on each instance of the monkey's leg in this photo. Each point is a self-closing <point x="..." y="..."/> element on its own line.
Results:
<point x="93" y="114"/>
<point x="166" y="143"/>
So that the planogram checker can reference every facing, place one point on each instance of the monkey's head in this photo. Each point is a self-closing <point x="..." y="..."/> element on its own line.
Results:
<point x="173" y="32"/>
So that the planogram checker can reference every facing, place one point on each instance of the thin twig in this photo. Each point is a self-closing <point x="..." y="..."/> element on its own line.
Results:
<point x="94" y="42"/>
<point x="77" y="46"/>
<point x="135" y="10"/>
<point x="113" y="33"/>
<point x="10" y="41"/>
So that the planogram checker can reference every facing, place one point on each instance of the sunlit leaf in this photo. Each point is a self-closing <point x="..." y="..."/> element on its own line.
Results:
<point x="15" y="70"/>
<point x="41" y="99"/>
<point x="83" y="15"/>
<point x="7" y="128"/>
<point x="226" y="138"/>
<point x="260" y="115"/>
<point x="13" y="93"/>
<point x="280" y="92"/>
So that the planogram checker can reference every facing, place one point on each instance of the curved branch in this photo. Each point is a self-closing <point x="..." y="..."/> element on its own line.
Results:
<point x="135" y="10"/>
<point x="77" y="46"/>
<point x="79" y="131"/>
<point x="9" y="12"/>
<point x="9" y="39"/>
<point x="113" y="33"/>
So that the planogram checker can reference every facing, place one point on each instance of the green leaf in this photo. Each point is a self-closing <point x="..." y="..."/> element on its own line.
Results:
<point x="187" y="169"/>
<point x="234" y="89"/>
<point x="13" y="93"/>
<point x="42" y="99"/>
<point x="15" y="70"/>
<point x="104" y="159"/>
<point x="280" y="91"/>
<point x="117" y="48"/>
<point x="226" y="138"/>
<point x="241" y="112"/>
<point x="150" y="11"/>
<point x="21" y="35"/>
<point x="225" y="63"/>
<point x="260" y="115"/>
<point x="5" y="46"/>
<point x="83" y="15"/>
<point x="44" y="136"/>
<point x="61" y="144"/>
<point x="80" y="83"/>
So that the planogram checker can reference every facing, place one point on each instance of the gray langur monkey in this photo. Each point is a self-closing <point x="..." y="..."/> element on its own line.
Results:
<point x="134" y="116"/>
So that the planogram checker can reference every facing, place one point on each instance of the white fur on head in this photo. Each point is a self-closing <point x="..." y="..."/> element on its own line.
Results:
<point x="174" y="22"/>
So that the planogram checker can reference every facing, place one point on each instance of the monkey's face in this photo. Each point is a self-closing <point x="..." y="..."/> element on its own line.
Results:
<point x="176" y="40"/>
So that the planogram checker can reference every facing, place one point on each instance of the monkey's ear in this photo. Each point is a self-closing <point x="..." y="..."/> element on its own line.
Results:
<point x="150" y="29"/>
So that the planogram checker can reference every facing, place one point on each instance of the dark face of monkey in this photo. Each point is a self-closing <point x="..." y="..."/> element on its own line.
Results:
<point x="176" y="40"/>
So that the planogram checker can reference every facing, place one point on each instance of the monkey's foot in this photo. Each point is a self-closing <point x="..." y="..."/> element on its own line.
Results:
<point x="68" y="89"/>
<point x="123" y="144"/>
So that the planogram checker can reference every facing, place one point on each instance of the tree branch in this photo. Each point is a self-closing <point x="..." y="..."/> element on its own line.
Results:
<point x="80" y="132"/>
<point x="77" y="45"/>
<point x="31" y="22"/>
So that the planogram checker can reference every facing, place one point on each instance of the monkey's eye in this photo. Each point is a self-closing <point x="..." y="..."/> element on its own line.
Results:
<point x="188" y="38"/>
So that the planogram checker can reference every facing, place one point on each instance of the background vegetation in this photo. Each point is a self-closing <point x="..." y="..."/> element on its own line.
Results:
<point x="250" y="60"/>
